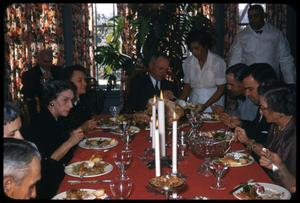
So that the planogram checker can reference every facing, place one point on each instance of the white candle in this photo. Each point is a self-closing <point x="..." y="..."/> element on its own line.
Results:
<point x="157" y="154"/>
<point x="151" y="132"/>
<point x="174" y="145"/>
<point x="161" y="125"/>
<point x="153" y="119"/>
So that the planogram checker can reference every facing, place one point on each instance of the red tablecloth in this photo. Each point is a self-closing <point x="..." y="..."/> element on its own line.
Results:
<point x="138" y="172"/>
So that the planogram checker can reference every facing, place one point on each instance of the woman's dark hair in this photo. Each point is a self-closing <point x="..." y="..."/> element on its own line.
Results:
<point x="200" y="36"/>
<point x="236" y="70"/>
<point x="69" y="70"/>
<point x="54" y="88"/>
<point x="280" y="97"/>
<point x="11" y="112"/>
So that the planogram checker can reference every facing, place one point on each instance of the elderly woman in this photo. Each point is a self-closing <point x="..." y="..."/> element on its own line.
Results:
<point x="21" y="169"/>
<point x="204" y="72"/>
<point x="55" y="144"/>
<point x="278" y="106"/>
<point x="81" y="113"/>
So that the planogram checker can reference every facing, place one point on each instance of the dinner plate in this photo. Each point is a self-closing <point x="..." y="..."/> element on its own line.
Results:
<point x="272" y="191"/>
<point x="238" y="159"/>
<point x="132" y="130"/>
<point x="84" y="145"/>
<point x="90" y="195"/>
<point x="208" y="118"/>
<point x="70" y="171"/>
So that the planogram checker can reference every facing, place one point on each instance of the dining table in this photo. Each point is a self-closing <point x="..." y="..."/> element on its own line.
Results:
<point x="196" y="184"/>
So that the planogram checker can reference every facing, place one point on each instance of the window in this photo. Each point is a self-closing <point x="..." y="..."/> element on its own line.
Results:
<point x="102" y="12"/>
<point x="243" y="9"/>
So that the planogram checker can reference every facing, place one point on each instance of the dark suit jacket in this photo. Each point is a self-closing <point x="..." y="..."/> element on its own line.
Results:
<point x="31" y="80"/>
<point x="32" y="86"/>
<point x="141" y="90"/>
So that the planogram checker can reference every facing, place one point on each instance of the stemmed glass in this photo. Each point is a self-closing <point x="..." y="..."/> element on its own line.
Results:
<point x="219" y="169"/>
<point x="121" y="188"/>
<point x="182" y="146"/>
<point x="124" y="126"/>
<point x="114" y="110"/>
<point x="195" y="120"/>
<point x="122" y="160"/>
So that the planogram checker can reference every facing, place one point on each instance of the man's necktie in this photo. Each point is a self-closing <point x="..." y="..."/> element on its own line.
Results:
<point x="156" y="88"/>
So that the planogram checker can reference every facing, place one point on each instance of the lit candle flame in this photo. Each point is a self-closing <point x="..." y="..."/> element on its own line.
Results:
<point x="174" y="115"/>
<point x="161" y="95"/>
<point x="154" y="99"/>
<point x="156" y="123"/>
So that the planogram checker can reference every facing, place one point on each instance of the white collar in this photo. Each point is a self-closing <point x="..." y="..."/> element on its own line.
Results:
<point x="154" y="81"/>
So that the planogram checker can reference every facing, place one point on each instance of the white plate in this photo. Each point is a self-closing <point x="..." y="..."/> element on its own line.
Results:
<point x="132" y="130"/>
<point x="270" y="191"/>
<point x="107" y="126"/>
<point x="238" y="156"/>
<point x="69" y="170"/>
<point x="83" y="144"/>
<point x="207" y="118"/>
<point x="90" y="195"/>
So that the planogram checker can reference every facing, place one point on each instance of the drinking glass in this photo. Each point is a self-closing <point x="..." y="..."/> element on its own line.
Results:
<point x="182" y="145"/>
<point x="121" y="188"/>
<point x="124" y="126"/>
<point x="114" y="110"/>
<point x="219" y="169"/>
<point x="122" y="160"/>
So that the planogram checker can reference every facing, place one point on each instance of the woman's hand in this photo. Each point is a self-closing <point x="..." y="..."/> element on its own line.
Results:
<point x="76" y="136"/>
<point x="241" y="135"/>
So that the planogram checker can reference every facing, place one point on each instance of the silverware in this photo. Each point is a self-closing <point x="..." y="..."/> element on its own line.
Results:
<point x="241" y="185"/>
<point x="72" y="182"/>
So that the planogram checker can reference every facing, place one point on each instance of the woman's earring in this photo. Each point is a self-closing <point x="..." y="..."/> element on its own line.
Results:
<point x="51" y="104"/>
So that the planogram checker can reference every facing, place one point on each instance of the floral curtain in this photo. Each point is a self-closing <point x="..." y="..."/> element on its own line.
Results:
<point x="28" y="29"/>
<point x="277" y="15"/>
<point x="83" y="38"/>
<point x="230" y="26"/>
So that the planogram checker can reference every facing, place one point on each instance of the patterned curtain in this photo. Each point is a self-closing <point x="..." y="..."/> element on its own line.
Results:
<point x="230" y="26"/>
<point x="83" y="37"/>
<point x="277" y="16"/>
<point x="28" y="29"/>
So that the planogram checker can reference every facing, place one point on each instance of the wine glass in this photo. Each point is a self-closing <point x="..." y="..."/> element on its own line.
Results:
<point x="121" y="188"/>
<point x="182" y="146"/>
<point x="122" y="160"/>
<point x="219" y="169"/>
<point x="114" y="110"/>
<point x="124" y="126"/>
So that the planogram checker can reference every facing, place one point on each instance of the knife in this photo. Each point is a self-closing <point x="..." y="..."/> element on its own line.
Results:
<point x="241" y="185"/>
<point x="88" y="181"/>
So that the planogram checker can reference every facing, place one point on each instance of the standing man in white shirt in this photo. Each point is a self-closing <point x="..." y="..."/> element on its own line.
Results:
<point x="261" y="42"/>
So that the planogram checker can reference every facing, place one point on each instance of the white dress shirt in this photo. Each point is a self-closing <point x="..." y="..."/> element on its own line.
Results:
<point x="204" y="81"/>
<point x="268" y="47"/>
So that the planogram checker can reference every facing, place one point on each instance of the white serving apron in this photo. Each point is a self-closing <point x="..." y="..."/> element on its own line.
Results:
<point x="201" y="95"/>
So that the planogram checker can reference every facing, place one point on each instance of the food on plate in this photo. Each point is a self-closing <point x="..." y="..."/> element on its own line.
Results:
<point x="210" y="117"/>
<point x="100" y="142"/>
<point x="218" y="135"/>
<point x="251" y="191"/>
<point x="232" y="160"/>
<point x="76" y="193"/>
<point x="89" y="168"/>
<point x="166" y="181"/>
<point x="100" y="194"/>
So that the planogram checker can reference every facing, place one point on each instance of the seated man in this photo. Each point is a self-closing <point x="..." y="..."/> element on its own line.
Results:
<point x="147" y="84"/>
<point x="242" y="108"/>
<point x="21" y="168"/>
<point x="12" y="121"/>
<point x="36" y="78"/>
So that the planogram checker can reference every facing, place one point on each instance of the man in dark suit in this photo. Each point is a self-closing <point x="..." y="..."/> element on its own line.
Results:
<point x="36" y="78"/>
<point x="147" y="84"/>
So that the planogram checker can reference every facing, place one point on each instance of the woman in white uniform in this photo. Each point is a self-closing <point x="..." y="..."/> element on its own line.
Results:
<point x="204" y="72"/>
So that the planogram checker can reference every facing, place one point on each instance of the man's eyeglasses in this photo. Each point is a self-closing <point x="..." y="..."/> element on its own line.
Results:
<point x="263" y="108"/>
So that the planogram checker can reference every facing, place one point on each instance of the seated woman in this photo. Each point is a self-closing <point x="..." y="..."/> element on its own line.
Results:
<point x="81" y="113"/>
<point x="271" y="160"/>
<point x="48" y="133"/>
<point x="278" y="106"/>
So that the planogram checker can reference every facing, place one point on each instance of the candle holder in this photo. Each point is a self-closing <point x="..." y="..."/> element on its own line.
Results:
<point x="165" y="162"/>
